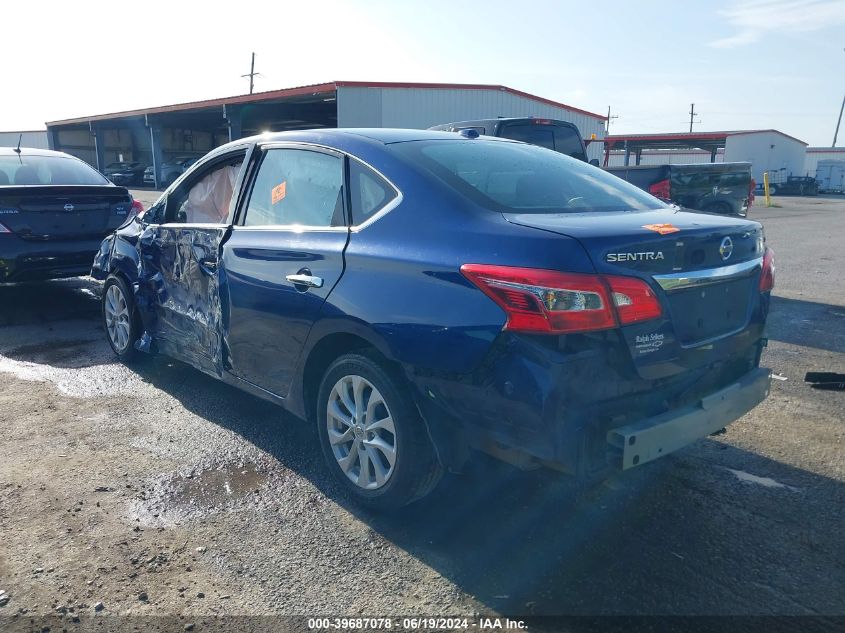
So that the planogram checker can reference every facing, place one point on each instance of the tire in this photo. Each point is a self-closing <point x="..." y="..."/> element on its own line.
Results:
<point x="380" y="484"/>
<point x="120" y="318"/>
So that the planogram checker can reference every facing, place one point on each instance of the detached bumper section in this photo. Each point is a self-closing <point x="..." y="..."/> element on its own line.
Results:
<point x="646" y="440"/>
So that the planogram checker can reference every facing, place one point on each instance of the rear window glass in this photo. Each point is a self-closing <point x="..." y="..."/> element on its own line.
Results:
<point x="47" y="170"/>
<point x="515" y="178"/>
<point x="562" y="139"/>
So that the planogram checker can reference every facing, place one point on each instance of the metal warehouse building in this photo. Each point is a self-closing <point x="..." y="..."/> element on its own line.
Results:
<point x="28" y="138"/>
<point x="153" y="135"/>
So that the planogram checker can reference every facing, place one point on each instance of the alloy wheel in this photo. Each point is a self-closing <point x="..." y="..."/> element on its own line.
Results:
<point x="117" y="317"/>
<point x="361" y="432"/>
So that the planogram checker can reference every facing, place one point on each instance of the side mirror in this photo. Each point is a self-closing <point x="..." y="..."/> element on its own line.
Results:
<point x="594" y="162"/>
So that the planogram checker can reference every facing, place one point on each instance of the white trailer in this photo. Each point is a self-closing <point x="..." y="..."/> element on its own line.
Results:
<point x="830" y="174"/>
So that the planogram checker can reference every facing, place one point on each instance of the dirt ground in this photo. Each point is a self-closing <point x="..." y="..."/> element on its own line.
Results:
<point x="153" y="490"/>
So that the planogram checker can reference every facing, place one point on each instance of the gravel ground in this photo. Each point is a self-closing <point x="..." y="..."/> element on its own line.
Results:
<point x="155" y="490"/>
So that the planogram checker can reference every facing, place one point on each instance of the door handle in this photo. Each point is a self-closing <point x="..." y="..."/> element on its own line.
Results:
<point x="208" y="265"/>
<point x="305" y="280"/>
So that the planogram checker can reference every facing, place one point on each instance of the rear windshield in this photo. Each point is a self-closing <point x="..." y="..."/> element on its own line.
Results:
<point x="47" y="170"/>
<point x="517" y="178"/>
<point x="562" y="139"/>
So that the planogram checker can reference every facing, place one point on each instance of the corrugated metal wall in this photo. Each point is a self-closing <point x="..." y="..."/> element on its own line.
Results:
<point x="767" y="151"/>
<point x="423" y="107"/>
<point x="36" y="139"/>
<point x="664" y="157"/>
<point x="815" y="154"/>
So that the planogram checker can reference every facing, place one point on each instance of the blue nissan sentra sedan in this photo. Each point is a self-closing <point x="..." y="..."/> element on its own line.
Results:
<point x="422" y="295"/>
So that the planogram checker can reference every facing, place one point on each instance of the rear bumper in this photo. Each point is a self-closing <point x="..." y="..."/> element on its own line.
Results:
<point x="23" y="260"/>
<point x="646" y="440"/>
<point x="554" y="401"/>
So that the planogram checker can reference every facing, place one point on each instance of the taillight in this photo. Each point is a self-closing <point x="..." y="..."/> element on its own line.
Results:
<point x="767" y="275"/>
<point x="634" y="299"/>
<point x="661" y="189"/>
<point x="137" y="208"/>
<point x="751" y="187"/>
<point x="551" y="302"/>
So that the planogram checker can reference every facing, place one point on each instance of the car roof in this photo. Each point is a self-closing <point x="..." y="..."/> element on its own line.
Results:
<point x="343" y="137"/>
<point x="379" y="134"/>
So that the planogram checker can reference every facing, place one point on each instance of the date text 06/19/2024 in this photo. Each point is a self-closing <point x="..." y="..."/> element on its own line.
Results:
<point x="415" y="624"/>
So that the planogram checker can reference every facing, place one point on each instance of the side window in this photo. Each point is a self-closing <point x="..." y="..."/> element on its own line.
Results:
<point x="370" y="193"/>
<point x="297" y="187"/>
<point x="207" y="200"/>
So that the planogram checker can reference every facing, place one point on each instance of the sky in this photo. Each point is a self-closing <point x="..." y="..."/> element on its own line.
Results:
<point x="746" y="64"/>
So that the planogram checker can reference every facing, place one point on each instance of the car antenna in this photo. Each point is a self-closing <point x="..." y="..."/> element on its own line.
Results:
<point x="17" y="150"/>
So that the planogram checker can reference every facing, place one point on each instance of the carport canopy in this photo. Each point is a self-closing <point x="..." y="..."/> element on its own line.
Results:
<point x="155" y="135"/>
<point x="636" y="143"/>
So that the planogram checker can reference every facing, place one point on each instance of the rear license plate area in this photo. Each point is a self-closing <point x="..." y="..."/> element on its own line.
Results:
<point x="708" y="312"/>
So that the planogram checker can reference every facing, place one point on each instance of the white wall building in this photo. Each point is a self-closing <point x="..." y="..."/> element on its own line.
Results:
<point x="29" y="138"/>
<point x="816" y="154"/>
<point x="767" y="150"/>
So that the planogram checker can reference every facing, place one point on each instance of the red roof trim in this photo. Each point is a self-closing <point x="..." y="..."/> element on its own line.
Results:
<point x="314" y="89"/>
<point x="686" y="136"/>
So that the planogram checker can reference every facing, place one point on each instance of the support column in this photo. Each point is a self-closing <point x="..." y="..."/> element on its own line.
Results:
<point x="713" y="155"/>
<point x="155" y="150"/>
<point x="99" y="146"/>
<point x="627" y="154"/>
<point x="53" y="139"/>
<point x="639" y="156"/>
<point x="233" y="116"/>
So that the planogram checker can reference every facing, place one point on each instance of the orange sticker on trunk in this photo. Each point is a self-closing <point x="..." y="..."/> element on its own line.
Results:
<point x="278" y="193"/>
<point x="663" y="229"/>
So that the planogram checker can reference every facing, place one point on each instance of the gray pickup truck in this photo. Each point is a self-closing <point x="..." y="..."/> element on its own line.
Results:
<point x="726" y="188"/>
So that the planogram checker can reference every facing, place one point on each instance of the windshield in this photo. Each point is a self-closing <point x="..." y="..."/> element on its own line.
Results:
<point x="47" y="170"/>
<point x="517" y="178"/>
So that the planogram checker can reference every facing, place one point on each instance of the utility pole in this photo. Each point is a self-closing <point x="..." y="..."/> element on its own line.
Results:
<point x="836" y="133"/>
<point x="609" y="118"/>
<point x="251" y="74"/>
<point x="692" y="115"/>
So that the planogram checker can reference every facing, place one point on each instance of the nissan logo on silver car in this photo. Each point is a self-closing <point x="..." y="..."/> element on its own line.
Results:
<point x="726" y="248"/>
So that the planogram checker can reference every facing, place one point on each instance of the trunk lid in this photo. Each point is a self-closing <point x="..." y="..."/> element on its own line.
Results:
<point x="61" y="212"/>
<point x="703" y="268"/>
